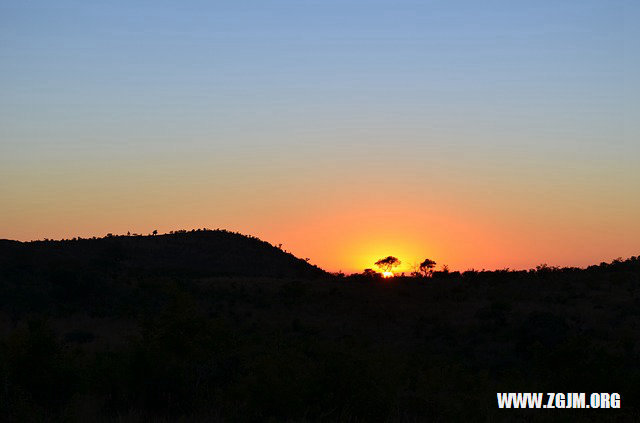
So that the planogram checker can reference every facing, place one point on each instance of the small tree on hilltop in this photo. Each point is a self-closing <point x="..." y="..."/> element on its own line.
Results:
<point x="387" y="263"/>
<point x="426" y="267"/>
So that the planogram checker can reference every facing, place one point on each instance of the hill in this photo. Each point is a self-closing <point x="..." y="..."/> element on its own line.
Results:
<point x="197" y="253"/>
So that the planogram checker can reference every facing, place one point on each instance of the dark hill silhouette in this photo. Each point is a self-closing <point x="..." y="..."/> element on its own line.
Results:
<point x="197" y="253"/>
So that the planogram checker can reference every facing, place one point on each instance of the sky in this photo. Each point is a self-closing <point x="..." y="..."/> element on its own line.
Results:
<point x="487" y="134"/>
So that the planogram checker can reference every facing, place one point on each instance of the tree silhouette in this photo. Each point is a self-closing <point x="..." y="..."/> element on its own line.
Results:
<point x="370" y="273"/>
<point x="426" y="267"/>
<point x="387" y="263"/>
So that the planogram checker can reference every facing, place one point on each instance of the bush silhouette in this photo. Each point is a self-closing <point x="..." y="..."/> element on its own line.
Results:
<point x="426" y="267"/>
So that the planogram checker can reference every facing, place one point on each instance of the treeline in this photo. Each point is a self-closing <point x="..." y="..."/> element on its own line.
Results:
<point x="631" y="265"/>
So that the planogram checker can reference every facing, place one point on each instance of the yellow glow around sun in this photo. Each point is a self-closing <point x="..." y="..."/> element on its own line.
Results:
<point x="364" y="250"/>
<point x="387" y="274"/>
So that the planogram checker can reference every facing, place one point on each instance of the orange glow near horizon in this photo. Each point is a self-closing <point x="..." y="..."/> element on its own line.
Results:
<point x="340" y="227"/>
<point x="387" y="275"/>
<point x="352" y="249"/>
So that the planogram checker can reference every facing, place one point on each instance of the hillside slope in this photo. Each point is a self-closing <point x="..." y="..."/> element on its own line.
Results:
<point x="198" y="253"/>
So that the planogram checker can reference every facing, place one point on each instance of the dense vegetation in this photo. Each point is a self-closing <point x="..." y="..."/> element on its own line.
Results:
<point x="191" y="325"/>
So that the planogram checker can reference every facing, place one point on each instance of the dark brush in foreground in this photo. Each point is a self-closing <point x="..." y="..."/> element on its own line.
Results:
<point x="149" y="328"/>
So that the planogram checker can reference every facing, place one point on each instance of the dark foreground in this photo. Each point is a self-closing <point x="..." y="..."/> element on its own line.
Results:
<point x="147" y="348"/>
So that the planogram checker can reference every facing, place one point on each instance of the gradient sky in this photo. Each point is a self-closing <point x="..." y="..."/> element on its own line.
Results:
<point x="484" y="134"/>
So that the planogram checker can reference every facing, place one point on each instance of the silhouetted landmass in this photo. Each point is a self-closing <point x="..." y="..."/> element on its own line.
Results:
<point x="196" y="253"/>
<point x="162" y="327"/>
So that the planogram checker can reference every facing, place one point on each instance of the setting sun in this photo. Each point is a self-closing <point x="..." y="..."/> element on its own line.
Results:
<point x="387" y="274"/>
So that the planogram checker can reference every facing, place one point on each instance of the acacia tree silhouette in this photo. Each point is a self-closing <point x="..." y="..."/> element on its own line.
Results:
<point x="426" y="267"/>
<point x="388" y="263"/>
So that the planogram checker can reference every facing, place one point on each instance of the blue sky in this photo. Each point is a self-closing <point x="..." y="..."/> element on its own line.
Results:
<point x="559" y="63"/>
